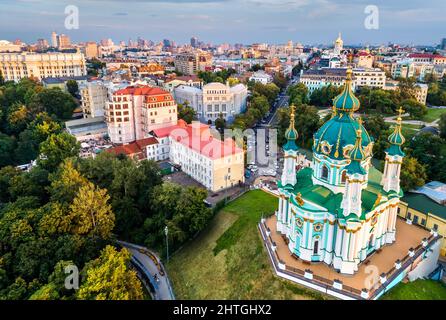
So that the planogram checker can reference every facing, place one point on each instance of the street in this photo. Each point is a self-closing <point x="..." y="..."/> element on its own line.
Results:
<point x="149" y="266"/>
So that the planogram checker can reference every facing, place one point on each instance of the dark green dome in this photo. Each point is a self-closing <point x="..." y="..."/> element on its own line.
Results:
<point x="337" y="133"/>
<point x="396" y="139"/>
<point x="291" y="133"/>
<point x="346" y="101"/>
<point x="356" y="156"/>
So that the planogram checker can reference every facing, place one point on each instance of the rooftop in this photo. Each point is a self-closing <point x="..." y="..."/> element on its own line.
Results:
<point x="197" y="136"/>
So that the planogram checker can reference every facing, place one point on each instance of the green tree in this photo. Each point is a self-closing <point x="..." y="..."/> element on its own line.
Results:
<point x="72" y="87"/>
<point x="220" y="123"/>
<point x="186" y="112"/>
<point x="414" y="108"/>
<point x="413" y="174"/>
<point x="110" y="277"/>
<point x="91" y="213"/>
<point x="65" y="183"/>
<point x="56" y="149"/>
<point x="298" y="94"/>
<point x="324" y="97"/>
<point x="442" y="125"/>
<point x="53" y="101"/>
<point x="429" y="150"/>
<point x="7" y="147"/>
<point x="376" y="125"/>
<point x="307" y="122"/>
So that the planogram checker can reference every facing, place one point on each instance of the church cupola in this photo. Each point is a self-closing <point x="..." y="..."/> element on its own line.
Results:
<point x="290" y="153"/>
<point x="396" y="139"/>
<point x="291" y="134"/>
<point x="356" y="176"/>
<point x="394" y="158"/>
<point x="347" y="101"/>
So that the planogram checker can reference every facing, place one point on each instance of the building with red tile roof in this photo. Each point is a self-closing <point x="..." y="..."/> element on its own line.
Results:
<point x="203" y="155"/>
<point x="136" y="110"/>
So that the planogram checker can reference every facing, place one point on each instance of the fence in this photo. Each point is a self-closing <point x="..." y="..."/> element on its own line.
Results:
<point x="329" y="285"/>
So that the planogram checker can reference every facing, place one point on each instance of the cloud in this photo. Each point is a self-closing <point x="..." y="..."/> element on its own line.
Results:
<point x="120" y="14"/>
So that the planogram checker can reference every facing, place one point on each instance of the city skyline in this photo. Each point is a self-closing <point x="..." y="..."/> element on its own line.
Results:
<point x="272" y="21"/>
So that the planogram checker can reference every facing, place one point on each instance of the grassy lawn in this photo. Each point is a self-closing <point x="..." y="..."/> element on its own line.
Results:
<point x="417" y="290"/>
<point x="433" y="114"/>
<point x="228" y="259"/>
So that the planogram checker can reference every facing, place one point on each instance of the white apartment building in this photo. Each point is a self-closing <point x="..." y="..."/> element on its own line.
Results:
<point x="421" y="92"/>
<point x="135" y="111"/>
<point x="15" y="66"/>
<point x="94" y="97"/>
<point x="262" y="77"/>
<point x="317" y="79"/>
<point x="402" y="69"/>
<point x="370" y="77"/>
<point x="214" y="99"/>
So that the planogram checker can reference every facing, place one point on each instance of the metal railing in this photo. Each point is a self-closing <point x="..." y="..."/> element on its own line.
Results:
<point x="346" y="290"/>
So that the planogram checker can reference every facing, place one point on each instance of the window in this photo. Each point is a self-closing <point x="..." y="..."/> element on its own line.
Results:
<point x="409" y="216"/>
<point x="344" y="176"/>
<point x="435" y="227"/>
<point x="316" y="247"/>
<point x="415" y="219"/>
<point x="324" y="175"/>
<point x="423" y="222"/>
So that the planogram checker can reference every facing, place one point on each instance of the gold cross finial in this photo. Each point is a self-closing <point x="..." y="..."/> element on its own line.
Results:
<point x="400" y="111"/>
<point x="292" y="107"/>
<point x="360" y="122"/>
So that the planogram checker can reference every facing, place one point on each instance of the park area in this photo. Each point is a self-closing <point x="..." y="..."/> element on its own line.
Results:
<point x="228" y="261"/>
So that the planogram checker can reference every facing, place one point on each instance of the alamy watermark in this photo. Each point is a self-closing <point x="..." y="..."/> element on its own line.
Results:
<point x="371" y="21"/>
<point x="72" y="17"/>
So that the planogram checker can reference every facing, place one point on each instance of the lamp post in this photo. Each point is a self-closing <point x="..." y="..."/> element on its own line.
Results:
<point x="166" y="232"/>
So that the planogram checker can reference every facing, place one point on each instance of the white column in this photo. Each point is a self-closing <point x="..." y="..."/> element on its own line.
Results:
<point x="345" y="245"/>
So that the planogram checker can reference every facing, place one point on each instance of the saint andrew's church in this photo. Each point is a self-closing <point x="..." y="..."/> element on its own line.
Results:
<point x="341" y="209"/>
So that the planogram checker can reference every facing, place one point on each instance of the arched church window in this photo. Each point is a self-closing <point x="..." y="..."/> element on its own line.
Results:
<point x="316" y="247"/>
<point x="324" y="174"/>
<point x="343" y="177"/>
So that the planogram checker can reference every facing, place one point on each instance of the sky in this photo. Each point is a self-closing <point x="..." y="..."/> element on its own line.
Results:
<point x="420" y="22"/>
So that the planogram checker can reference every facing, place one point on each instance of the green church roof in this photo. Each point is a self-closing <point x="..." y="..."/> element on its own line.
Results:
<point x="291" y="134"/>
<point x="331" y="201"/>
<point x="337" y="133"/>
<point x="396" y="139"/>
<point x="347" y="101"/>
<point x="357" y="155"/>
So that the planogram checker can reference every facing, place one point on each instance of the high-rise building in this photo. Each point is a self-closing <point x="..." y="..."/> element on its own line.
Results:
<point x="132" y="113"/>
<point x="194" y="42"/>
<point x="15" y="66"/>
<point x="443" y="44"/>
<point x="54" y="42"/>
<point x="93" y="99"/>
<point x="63" y="41"/>
<point x="42" y="44"/>
<point x="91" y="50"/>
<point x="167" y="43"/>
<point x="191" y="62"/>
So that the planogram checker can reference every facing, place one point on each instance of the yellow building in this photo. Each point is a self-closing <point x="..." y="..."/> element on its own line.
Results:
<point x="425" y="212"/>
<point x="15" y="66"/>
<point x="91" y="50"/>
